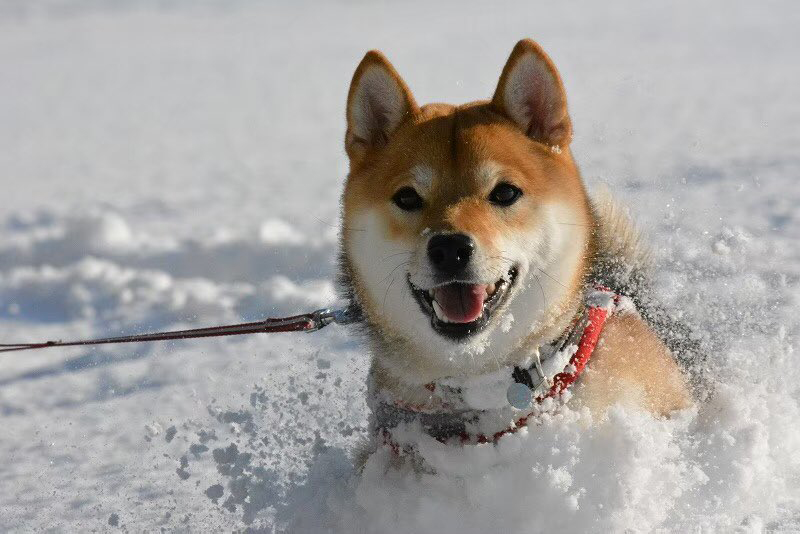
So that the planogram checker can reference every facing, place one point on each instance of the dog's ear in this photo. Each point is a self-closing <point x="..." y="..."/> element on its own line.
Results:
<point x="531" y="94"/>
<point x="378" y="101"/>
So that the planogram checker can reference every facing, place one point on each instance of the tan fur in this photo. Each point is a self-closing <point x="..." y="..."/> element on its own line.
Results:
<point x="616" y="232"/>
<point x="630" y="364"/>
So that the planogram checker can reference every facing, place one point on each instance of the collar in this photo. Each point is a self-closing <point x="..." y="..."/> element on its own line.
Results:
<point x="482" y="409"/>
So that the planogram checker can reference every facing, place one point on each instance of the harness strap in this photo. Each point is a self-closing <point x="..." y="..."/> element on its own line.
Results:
<point x="591" y="334"/>
<point x="596" y="320"/>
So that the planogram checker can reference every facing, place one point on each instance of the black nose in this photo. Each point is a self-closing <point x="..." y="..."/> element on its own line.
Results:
<point x="450" y="253"/>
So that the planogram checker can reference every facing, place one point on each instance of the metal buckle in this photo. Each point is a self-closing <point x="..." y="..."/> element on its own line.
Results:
<point x="325" y="316"/>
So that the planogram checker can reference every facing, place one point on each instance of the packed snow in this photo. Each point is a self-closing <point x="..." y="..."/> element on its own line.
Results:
<point x="172" y="164"/>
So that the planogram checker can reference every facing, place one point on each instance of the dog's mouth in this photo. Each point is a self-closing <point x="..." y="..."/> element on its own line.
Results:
<point x="458" y="309"/>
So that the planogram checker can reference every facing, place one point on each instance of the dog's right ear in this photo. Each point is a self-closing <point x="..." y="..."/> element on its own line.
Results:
<point x="378" y="101"/>
<point x="530" y="93"/>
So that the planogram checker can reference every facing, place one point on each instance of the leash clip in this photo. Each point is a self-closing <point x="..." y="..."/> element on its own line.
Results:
<point x="325" y="316"/>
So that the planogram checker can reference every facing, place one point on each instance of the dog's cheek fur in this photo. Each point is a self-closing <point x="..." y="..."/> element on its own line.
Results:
<point x="401" y="338"/>
<point x="553" y="256"/>
<point x="381" y="261"/>
<point x="381" y="264"/>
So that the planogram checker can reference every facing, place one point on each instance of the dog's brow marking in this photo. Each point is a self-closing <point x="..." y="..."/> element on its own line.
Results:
<point x="423" y="177"/>
<point x="488" y="172"/>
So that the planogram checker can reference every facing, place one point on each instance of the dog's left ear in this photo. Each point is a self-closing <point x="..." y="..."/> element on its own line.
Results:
<point x="530" y="93"/>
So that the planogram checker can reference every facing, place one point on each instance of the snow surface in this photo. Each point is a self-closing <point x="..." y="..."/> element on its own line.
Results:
<point x="173" y="164"/>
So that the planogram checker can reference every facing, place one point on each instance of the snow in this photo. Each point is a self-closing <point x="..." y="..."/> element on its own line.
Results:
<point x="178" y="164"/>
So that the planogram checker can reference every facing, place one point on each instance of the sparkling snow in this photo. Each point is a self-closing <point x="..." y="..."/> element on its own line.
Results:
<point x="171" y="164"/>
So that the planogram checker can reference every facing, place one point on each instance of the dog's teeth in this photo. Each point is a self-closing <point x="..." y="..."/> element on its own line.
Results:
<point x="430" y="293"/>
<point x="439" y="312"/>
<point x="490" y="289"/>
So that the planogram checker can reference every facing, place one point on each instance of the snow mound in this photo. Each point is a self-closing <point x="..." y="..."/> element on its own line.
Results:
<point x="95" y="267"/>
<point x="729" y="464"/>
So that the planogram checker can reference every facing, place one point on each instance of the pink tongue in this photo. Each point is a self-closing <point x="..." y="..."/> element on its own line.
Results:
<point x="461" y="303"/>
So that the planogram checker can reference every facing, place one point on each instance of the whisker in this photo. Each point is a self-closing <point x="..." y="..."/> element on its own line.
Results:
<point x="504" y="258"/>
<point x="332" y="225"/>
<point x="576" y="224"/>
<point x="544" y="298"/>
<point x="393" y="270"/>
<point x="551" y="278"/>
<point x="397" y="254"/>
<point x="387" y="293"/>
<point x="496" y="271"/>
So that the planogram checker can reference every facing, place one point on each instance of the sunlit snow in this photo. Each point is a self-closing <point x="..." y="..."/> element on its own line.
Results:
<point x="172" y="164"/>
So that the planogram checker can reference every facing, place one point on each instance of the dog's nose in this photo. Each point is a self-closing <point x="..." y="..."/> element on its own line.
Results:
<point x="450" y="253"/>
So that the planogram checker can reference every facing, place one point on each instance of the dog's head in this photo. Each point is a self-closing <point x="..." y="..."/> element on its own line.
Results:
<point x="465" y="227"/>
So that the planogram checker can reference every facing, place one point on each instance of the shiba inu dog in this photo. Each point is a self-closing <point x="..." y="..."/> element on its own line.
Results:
<point x="469" y="246"/>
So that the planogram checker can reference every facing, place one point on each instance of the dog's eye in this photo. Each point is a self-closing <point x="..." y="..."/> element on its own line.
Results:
<point x="504" y="194"/>
<point x="407" y="199"/>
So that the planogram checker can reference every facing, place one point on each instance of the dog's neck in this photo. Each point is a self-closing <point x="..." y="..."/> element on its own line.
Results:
<point x="482" y="408"/>
<point x="411" y="384"/>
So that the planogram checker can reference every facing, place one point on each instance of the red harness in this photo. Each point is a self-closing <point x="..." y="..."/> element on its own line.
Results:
<point x="596" y="320"/>
<point x="597" y="317"/>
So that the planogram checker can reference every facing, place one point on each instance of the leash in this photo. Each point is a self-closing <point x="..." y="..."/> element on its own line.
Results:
<point x="307" y="322"/>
